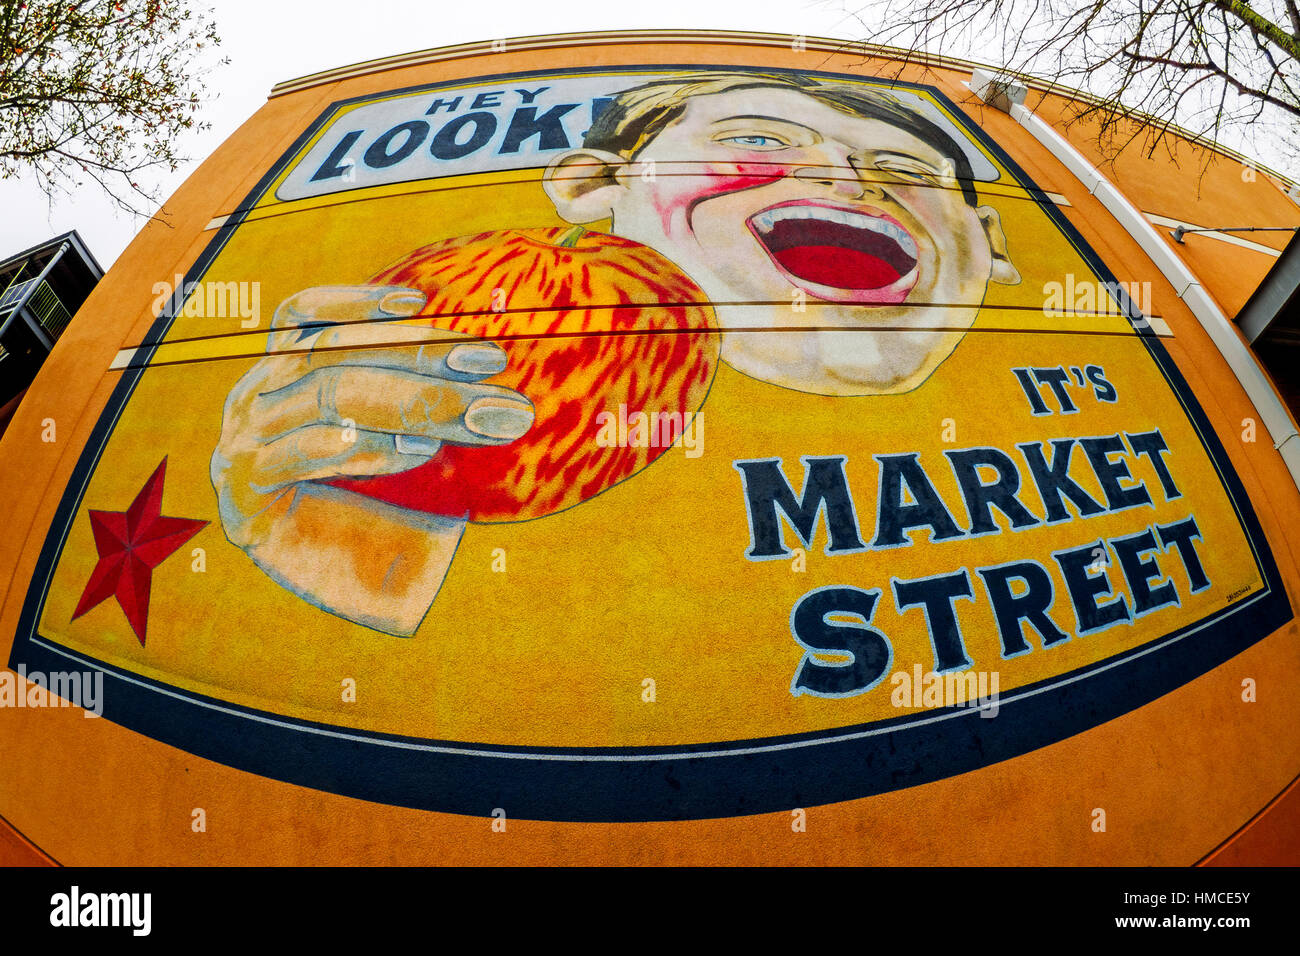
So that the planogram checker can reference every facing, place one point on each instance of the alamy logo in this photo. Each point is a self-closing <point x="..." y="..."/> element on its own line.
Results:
<point x="211" y="300"/>
<point x="56" y="689"/>
<point x="651" y="430"/>
<point x="74" y="908"/>
<point x="1089" y="297"/>
<point x="952" y="689"/>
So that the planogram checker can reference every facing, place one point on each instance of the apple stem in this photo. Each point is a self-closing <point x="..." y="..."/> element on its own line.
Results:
<point x="571" y="237"/>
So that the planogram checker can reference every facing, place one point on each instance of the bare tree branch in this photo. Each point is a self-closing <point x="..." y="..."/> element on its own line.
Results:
<point x="99" y="89"/>
<point x="1214" y="68"/>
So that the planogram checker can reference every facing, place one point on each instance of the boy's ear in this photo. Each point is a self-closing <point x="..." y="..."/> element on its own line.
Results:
<point x="1004" y="270"/>
<point x="583" y="184"/>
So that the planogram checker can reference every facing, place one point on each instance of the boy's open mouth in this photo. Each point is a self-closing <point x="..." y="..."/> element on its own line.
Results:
<point x="837" y="253"/>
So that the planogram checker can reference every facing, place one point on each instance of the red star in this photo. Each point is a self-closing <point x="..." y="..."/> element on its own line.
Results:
<point x="131" y="544"/>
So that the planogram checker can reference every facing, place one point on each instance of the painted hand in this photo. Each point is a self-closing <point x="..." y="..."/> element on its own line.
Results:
<point x="344" y="391"/>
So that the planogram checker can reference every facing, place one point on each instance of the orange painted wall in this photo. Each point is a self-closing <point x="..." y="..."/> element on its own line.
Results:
<point x="92" y="792"/>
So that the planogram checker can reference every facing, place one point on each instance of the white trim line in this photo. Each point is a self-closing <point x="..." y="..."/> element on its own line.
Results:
<point x="1222" y="333"/>
<point x="1160" y="327"/>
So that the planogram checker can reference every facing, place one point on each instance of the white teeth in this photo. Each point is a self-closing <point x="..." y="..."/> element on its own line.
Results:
<point x="769" y="218"/>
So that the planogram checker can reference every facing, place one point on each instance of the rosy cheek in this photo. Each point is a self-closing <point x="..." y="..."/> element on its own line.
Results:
<point x="716" y="179"/>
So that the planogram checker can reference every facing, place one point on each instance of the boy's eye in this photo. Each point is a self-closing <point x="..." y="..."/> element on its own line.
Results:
<point x="917" y="174"/>
<point x="755" y="141"/>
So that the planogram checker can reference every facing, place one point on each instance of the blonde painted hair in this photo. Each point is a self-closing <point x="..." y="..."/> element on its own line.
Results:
<point x="636" y="116"/>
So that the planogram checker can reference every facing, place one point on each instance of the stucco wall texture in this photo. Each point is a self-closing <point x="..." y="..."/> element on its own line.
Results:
<point x="1197" y="773"/>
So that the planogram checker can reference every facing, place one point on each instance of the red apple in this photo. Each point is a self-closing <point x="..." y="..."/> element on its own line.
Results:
<point x="589" y="322"/>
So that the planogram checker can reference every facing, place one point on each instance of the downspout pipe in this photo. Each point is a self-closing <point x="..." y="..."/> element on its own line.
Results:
<point x="1272" y="413"/>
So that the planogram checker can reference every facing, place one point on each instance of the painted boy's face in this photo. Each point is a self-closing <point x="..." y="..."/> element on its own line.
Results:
<point x="768" y="195"/>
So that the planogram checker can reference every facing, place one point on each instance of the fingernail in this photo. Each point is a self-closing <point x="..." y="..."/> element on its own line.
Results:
<point x="476" y="359"/>
<point x="402" y="303"/>
<point x="497" y="418"/>
<point x="416" y="445"/>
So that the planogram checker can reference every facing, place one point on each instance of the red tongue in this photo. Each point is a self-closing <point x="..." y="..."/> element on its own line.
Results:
<point x="837" y="266"/>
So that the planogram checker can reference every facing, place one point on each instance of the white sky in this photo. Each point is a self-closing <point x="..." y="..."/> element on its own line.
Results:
<point x="272" y="40"/>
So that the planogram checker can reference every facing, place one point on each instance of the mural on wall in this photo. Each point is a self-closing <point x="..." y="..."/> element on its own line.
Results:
<point x="645" y="444"/>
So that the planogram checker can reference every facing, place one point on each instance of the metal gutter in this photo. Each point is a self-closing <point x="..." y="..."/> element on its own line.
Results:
<point x="1274" y="415"/>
